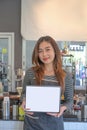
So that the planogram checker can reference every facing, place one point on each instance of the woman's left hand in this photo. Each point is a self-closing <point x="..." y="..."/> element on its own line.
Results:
<point x="58" y="114"/>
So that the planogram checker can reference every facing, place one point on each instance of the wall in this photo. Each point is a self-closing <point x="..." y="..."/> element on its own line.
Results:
<point x="10" y="12"/>
<point x="18" y="125"/>
<point x="64" y="20"/>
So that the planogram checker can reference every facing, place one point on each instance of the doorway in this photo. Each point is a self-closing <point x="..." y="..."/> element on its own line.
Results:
<point x="7" y="58"/>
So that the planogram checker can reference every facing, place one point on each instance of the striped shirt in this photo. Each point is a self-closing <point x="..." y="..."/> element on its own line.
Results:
<point x="29" y="79"/>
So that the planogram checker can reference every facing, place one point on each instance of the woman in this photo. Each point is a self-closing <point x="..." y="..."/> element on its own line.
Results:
<point x="47" y="71"/>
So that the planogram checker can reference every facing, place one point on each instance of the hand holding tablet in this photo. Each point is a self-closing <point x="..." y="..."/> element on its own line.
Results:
<point x="43" y="99"/>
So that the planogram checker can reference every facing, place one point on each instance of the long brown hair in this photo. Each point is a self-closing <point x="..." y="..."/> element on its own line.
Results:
<point x="57" y="63"/>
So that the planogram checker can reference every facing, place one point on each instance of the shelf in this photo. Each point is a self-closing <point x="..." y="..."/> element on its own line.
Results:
<point x="67" y="55"/>
<point x="17" y="97"/>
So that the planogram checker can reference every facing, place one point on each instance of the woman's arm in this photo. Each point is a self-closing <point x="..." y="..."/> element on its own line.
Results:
<point x="68" y="94"/>
<point x="27" y="81"/>
<point x="68" y="97"/>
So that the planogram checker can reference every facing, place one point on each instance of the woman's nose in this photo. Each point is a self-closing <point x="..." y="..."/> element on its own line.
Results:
<point x="44" y="53"/>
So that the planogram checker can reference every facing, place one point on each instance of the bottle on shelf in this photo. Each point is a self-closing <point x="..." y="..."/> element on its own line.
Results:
<point x="15" y="109"/>
<point x="6" y="108"/>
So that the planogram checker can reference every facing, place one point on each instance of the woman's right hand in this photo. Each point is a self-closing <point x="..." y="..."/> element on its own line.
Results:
<point x="23" y="105"/>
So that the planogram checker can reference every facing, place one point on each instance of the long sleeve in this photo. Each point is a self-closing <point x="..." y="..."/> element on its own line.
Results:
<point x="68" y="94"/>
<point x="27" y="81"/>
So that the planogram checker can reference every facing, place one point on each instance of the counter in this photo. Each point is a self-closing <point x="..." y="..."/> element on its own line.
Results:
<point x="70" y="123"/>
<point x="75" y="123"/>
<point x="18" y="125"/>
<point x="11" y="125"/>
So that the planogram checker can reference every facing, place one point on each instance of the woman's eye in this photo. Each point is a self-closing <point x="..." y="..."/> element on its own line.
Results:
<point x="47" y="49"/>
<point x="39" y="51"/>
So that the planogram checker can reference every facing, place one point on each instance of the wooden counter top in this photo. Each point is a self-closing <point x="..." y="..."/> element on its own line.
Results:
<point x="11" y="97"/>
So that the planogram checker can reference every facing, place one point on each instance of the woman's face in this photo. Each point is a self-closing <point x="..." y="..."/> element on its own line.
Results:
<point x="46" y="53"/>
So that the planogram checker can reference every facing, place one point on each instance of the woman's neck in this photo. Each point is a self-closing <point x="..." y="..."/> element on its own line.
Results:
<point x="49" y="70"/>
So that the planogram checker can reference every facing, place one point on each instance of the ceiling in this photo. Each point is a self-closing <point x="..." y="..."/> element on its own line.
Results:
<point x="62" y="19"/>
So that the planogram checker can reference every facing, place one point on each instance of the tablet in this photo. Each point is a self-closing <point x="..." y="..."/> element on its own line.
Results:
<point x="43" y="98"/>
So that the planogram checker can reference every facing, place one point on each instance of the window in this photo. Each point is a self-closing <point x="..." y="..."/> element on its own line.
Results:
<point x="7" y="58"/>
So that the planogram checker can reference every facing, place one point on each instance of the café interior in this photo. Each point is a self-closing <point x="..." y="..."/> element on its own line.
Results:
<point x="22" y="23"/>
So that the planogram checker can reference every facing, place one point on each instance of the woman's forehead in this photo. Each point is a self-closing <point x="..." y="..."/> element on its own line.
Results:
<point x="45" y="44"/>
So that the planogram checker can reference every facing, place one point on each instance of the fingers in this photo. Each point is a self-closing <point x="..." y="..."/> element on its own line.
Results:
<point x="29" y="113"/>
<point x="55" y="114"/>
<point x="52" y="114"/>
<point x="26" y="109"/>
<point x="23" y="105"/>
<point x="59" y="114"/>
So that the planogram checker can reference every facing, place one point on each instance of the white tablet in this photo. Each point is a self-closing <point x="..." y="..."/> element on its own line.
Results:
<point x="43" y="98"/>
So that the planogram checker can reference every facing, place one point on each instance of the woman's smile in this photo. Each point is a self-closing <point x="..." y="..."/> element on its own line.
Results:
<point x="46" y="59"/>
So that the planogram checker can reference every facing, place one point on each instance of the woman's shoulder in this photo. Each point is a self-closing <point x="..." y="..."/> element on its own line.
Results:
<point x="67" y="74"/>
<point x="30" y="71"/>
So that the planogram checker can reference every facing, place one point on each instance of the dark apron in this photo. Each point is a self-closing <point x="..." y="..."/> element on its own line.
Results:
<point x="42" y="121"/>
